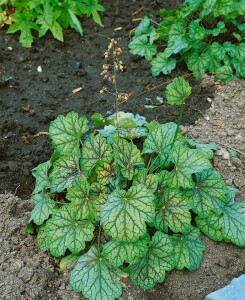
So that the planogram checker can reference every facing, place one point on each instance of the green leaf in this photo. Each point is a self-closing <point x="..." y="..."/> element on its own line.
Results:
<point x="160" y="138"/>
<point x="151" y="269"/>
<point x="44" y="207"/>
<point x="231" y="223"/>
<point x="127" y="156"/>
<point x="23" y="23"/>
<point x="188" y="249"/>
<point x="205" y="149"/>
<point x="91" y="7"/>
<point x="66" y="171"/>
<point x="142" y="47"/>
<point x="162" y="64"/>
<point x="214" y="64"/>
<point x="119" y="252"/>
<point x="99" y="120"/>
<point x="66" y="132"/>
<point x="224" y="73"/>
<point x="150" y="181"/>
<point x="177" y="91"/>
<point x="64" y="232"/>
<point x="142" y="27"/>
<point x="124" y="214"/>
<point x="83" y="202"/>
<point x="41" y="174"/>
<point x="198" y="64"/>
<point x="173" y="211"/>
<point x="95" y="149"/>
<point x="162" y="185"/>
<point x="177" y="40"/>
<point x="48" y="21"/>
<point x="209" y="194"/>
<point x="204" y="226"/>
<point x="187" y="162"/>
<point x="42" y="239"/>
<point x="196" y="32"/>
<point x="218" y="50"/>
<point x="95" y="277"/>
<point x="74" y="22"/>
<point x="68" y="261"/>
<point x="104" y="172"/>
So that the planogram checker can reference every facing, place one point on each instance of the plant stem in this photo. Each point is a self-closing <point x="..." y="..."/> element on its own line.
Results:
<point x="99" y="234"/>
<point x="115" y="83"/>
<point x="182" y="110"/>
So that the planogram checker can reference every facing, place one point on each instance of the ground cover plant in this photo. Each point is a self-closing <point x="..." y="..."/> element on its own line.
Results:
<point x="208" y="35"/>
<point x="45" y="15"/>
<point x="124" y="197"/>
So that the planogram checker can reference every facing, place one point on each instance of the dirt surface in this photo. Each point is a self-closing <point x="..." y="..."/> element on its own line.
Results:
<point x="26" y="272"/>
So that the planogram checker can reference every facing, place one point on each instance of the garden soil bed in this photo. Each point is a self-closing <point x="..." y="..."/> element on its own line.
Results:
<point x="215" y="112"/>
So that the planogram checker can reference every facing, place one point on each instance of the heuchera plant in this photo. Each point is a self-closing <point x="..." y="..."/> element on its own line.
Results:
<point x="128" y="197"/>
<point x="46" y="15"/>
<point x="208" y="35"/>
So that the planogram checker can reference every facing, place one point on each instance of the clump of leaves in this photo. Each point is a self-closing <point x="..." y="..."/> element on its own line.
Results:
<point x="130" y="199"/>
<point x="46" y="15"/>
<point x="208" y="35"/>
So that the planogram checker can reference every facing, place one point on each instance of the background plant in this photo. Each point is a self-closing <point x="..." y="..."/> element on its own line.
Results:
<point x="208" y="35"/>
<point x="27" y="16"/>
<point x="130" y="201"/>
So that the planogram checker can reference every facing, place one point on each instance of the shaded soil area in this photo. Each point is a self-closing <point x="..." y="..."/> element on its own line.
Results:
<point x="215" y="113"/>
<point x="32" y="99"/>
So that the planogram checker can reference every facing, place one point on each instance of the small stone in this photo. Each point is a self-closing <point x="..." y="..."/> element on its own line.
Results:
<point x="194" y="133"/>
<point x="25" y="274"/>
<point x="209" y="100"/>
<point x="183" y="129"/>
<point x="78" y="65"/>
<point x="237" y="162"/>
<point x="39" y="69"/>
<point x="224" y="153"/>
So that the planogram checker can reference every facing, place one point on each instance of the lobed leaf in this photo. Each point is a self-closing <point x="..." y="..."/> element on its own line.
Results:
<point x="44" y="207"/>
<point x="64" y="232"/>
<point x="119" y="252"/>
<point x="42" y="180"/>
<point x="95" y="277"/>
<point x="142" y="47"/>
<point x="209" y="193"/>
<point x="231" y="223"/>
<point x="160" y="139"/>
<point x="162" y="64"/>
<point x="124" y="214"/>
<point x="127" y="156"/>
<point x="66" y="171"/>
<point x="187" y="162"/>
<point x="150" y="269"/>
<point x="66" y="132"/>
<point x="95" y="149"/>
<point x="188" y="249"/>
<point x="173" y="212"/>
<point x="177" y="91"/>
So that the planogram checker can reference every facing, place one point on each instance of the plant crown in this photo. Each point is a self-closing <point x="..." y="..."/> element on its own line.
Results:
<point x="124" y="196"/>
<point x="46" y="15"/>
<point x="208" y="35"/>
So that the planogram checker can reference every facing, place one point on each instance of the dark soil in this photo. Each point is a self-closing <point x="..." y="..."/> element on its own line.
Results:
<point x="31" y="100"/>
